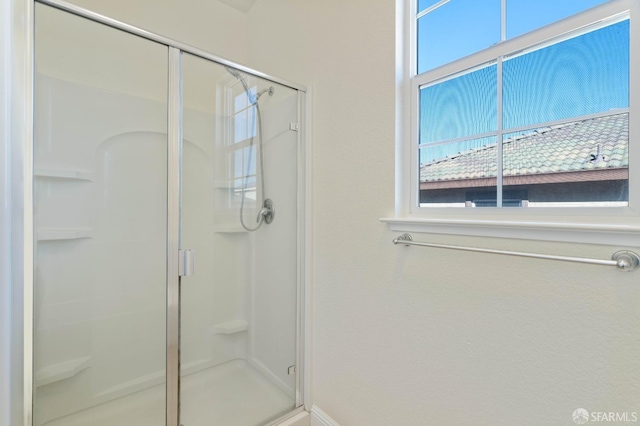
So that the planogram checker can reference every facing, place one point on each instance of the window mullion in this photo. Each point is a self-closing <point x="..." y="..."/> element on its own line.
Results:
<point x="461" y="139"/>
<point x="431" y="8"/>
<point x="500" y="132"/>
<point x="503" y="20"/>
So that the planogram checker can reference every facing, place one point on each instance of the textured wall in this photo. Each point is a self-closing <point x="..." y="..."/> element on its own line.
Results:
<point x="411" y="336"/>
<point x="209" y="25"/>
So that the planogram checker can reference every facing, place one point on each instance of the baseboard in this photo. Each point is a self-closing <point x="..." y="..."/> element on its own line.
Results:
<point x="320" y="418"/>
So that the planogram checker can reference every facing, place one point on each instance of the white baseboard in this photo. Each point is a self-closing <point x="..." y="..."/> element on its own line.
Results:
<point x="320" y="418"/>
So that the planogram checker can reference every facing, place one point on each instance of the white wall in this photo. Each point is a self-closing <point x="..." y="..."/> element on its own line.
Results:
<point x="419" y="336"/>
<point x="209" y="25"/>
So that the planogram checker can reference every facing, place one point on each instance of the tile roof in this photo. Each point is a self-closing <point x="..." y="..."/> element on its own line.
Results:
<point x="563" y="148"/>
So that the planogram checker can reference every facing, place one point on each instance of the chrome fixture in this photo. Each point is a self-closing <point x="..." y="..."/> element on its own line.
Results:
<point x="270" y="91"/>
<point x="186" y="262"/>
<point x="624" y="260"/>
<point x="267" y="212"/>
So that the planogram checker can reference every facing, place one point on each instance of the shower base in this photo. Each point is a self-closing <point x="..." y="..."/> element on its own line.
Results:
<point x="231" y="394"/>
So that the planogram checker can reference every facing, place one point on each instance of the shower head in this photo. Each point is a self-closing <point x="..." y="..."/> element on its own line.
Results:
<point x="234" y="72"/>
<point x="252" y="98"/>
<point x="270" y="91"/>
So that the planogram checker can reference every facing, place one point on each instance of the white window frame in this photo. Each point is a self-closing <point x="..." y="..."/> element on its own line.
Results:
<point x="600" y="225"/>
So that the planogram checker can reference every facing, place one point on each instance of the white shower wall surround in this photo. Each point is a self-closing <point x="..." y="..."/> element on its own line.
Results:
<point x="83" y="309"/>
<point x="100" y="179"/>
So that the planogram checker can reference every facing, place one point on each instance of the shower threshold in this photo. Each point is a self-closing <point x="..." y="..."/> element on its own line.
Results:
<point x="230" y="394"/>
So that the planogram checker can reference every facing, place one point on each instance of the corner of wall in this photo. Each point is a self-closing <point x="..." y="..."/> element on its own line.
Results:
<point x="320" y="418"/>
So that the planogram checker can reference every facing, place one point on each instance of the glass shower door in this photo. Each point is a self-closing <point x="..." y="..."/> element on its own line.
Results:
<point x="238" y="310"/>
<point x="100" y="185"/>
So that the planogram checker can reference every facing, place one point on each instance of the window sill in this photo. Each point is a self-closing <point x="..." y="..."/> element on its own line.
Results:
<point x="623" y="234"/>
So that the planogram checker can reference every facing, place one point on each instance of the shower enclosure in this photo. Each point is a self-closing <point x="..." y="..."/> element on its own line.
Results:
<point x="167" y="290"/>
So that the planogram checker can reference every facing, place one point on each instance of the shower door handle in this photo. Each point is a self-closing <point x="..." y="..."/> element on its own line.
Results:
<point x="186" y="264"/>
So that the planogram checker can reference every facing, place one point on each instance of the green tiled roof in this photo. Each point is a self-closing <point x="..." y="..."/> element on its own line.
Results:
<point x="563" y="148"/>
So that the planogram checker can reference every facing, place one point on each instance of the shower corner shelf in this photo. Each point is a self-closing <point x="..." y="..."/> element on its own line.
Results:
<point x="55" y="234"/>
<point x="70" y="174"/>
<point x="230" y="327"/>
<point x="61" y="371"/>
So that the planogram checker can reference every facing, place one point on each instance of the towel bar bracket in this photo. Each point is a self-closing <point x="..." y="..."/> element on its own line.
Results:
<point x="626" y="260"/>
<point x="402" y="238"/>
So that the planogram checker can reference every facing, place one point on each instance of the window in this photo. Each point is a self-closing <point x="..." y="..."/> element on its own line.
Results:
<point x="241" y="155"/>
<point x="519" y="111"/>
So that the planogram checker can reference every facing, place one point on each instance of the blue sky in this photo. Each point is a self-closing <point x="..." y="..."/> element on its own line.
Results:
<point x="462" y="27"/>
<point x="582" y="75"/>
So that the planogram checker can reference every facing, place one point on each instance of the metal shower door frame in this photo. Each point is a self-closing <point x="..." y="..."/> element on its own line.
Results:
<point x="174" y="204"/>
<point x="25" y="39"/>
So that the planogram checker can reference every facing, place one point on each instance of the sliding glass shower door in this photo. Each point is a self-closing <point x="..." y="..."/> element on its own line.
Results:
<point x="166" y="219"/>
<point x="238" y="309"/>
<point x="100" y="184"/>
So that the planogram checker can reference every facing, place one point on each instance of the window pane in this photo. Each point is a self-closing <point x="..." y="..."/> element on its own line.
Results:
<point x="583" y="75"/>
<point x="250" y="158"/>
<point x="251" y="122"/>
<point x="241" y="102"/>
<point x="526" y="15"/>
<point x="459" y="174"/>
<point x="584" y="163"/>
<point x="457" y="29"/>
<point x="238" y="170"/>
<point x="248" y="186"/>
<point x="240" y="126"/>
<point x="460" y="107"/>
